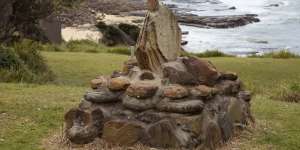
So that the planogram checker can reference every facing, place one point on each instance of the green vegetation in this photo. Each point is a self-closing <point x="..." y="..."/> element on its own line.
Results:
<point x="23" y="63"/>
<point x="30" y="112"/>
<point x="85" y="46"/>
<point x="282" y="54"/>
<point x="211" y="53"/>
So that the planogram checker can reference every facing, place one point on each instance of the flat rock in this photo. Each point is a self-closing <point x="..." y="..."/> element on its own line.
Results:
<point x="100" y="81"/>
<point x="118" y="84"/>
<point x="103" y="96"/>
<point x="142" y="90"/>
<point x="189" y="106"/>
<point x="123" y="132"/>
<point x="228" y="76"/>
<point x="175" y="91"/>
<point x="203" y="91"/>
<point x="138" y="104"/>
<point x="203" y="70"/>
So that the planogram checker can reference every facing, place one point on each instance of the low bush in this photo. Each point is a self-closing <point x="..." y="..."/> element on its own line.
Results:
<point x="22" y="62"/>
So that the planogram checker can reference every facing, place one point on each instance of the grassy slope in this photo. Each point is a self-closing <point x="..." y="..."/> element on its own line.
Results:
<point x="29" y="112"/>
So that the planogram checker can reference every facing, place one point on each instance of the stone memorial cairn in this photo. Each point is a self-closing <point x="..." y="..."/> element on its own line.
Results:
<point x="160" y="99"/>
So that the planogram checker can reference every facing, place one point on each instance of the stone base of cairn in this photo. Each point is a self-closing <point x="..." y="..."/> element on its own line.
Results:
<point x="189" y="105"/>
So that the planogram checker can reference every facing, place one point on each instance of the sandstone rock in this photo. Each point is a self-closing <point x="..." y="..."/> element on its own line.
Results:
<point x="228" y="87"/>
<point x="152" y="5"/>
<point x="123" y="132"/>
<point x="203" y="70"/>
<point x="100" y="81"/>
<point x="189" y="106"/>
<point x="118" y="84"/>
<point x="179" y="77"/>
<point x="102" y="96"/>
<point x="141" y="90"/>
<point x="203" y="91"/>
<point x="245" y="95"/>
<point x="175" y="92"/>
<point x="165" y="134"/>
<point x="138" y="104"/>
<point x="228" y="76"/>
<point x="83" y="127"/>
<point x="160" y="38"/>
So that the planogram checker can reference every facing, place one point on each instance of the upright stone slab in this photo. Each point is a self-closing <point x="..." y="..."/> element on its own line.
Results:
<point x="160" y="38"/>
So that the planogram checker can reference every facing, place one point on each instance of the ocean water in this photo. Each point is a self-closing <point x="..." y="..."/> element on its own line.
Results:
<point x="279" y="27"/>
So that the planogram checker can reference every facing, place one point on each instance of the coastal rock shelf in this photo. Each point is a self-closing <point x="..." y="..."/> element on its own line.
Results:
<point x="161" y="99"/>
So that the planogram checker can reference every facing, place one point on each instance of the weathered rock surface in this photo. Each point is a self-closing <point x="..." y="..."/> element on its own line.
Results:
<point x="123" y="132"/>
<point x="165" y="134"/>
<point x="100" y="81"/>
<point x="228" y="76"/>
<point x="188" y="106"/>
<point x="160" y="38"/>
<point x="102" y="96"/>
<point x="203" y="70"/>
<point x="142" y="90"/>
<point x="118" y="84"/>
<point x="203" y="91"/>
<point x="138" y="104"/>
<point x="175" y="92"/>
<point x="83" y="127"/>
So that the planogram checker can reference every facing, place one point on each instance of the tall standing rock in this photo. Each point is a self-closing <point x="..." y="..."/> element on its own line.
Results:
<point x="160" y="38"/>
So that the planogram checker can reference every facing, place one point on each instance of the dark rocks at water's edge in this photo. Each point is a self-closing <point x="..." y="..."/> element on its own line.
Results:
<point x="87" y="13"/>
<point x="229" y="21"/>
<point x="141" y="106"/>
<point x="226" y="21"/>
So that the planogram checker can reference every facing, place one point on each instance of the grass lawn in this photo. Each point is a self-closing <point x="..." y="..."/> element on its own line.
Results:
<point x="29" y="112"/>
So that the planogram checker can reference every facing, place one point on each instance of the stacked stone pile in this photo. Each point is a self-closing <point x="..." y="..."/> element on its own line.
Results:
<point x="160" y="99"/>
<point x="191" y="105"/>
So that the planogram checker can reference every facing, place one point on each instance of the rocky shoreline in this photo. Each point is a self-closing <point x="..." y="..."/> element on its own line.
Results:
<point x="89" y="13"/>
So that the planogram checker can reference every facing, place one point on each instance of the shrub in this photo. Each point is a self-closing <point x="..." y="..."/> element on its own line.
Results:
<point x="132" y="30"/>
<point x="23" y="63"/>
<point x="83" y="45"/>
<point x="120" y="50"/>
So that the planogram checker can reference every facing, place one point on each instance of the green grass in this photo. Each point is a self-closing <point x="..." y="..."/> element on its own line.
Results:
<point x="29" y="113"/>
